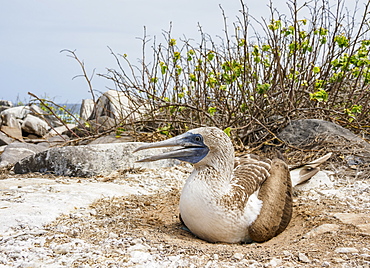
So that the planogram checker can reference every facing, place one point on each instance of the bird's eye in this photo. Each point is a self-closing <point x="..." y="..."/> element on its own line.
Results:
<point x="198" y="138"/>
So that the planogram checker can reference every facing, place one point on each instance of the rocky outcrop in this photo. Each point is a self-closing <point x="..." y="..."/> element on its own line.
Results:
<point x="34" y="125"/>
<point x="5" y="139"/>
<point x="19" y="122"/>
<point x="324" y="135"/>
<point x="4" y="104"/>
<point x="87" y="160"/>
<point x="86" y="109"/>
<point x="309" y="131"/>
<point x="16" y="151"/>
<point x="115" y="104"/>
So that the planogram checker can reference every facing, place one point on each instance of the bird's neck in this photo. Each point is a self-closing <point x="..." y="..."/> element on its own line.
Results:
<point x="217" y="166"/>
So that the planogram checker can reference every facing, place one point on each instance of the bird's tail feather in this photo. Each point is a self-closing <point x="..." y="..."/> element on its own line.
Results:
<point x="307" y="171"/>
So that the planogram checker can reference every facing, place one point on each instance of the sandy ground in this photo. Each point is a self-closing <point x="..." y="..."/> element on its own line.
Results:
<point x="130" y="219"/>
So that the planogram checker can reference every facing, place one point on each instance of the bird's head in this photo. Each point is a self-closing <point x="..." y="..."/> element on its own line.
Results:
<point x="194" y="146"/>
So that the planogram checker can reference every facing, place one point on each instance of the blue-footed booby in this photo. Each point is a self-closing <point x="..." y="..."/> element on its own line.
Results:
<point x="226" y="199"/>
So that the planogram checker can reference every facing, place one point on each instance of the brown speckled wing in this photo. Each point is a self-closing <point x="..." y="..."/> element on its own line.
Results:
<point x="276" y="195"/>
<point x="249" y="174"/>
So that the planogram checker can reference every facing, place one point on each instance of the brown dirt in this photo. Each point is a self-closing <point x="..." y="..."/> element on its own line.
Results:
<point x="154" y="220"/>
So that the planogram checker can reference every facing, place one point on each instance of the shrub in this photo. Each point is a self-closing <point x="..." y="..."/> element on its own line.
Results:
<point x="253" y="83"/>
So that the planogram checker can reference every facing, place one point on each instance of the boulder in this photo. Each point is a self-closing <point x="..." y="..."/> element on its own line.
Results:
<point x="17" y="151"/>
<point x="12" y="132"/>
<point x="322" y="135"/>
<point x="5" y="139"/>
<point x="310" y="131"/>
<point x="54" y="141"/>
<point x="9" y="119"/>
<point x="115" y="104"/>
<point x="103" y="123"/>
<point x="35" y="125"/>
<point x="112" y="138"/>
<point x="49" y="118"/>
<point x="19" y="112"/>
<point x="89" y="160"/>
<point x="59" y="130"/>
<point x="2" y="148"/>
<point x="86" y="109"/>
<point x="11" y="126"/>
<point x="6" y="103"/>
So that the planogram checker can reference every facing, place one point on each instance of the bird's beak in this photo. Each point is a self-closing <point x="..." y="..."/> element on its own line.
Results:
<point x="305" y="172"/>
<point x="188" y="149"/>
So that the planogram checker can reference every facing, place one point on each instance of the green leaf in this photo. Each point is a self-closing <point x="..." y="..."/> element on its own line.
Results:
<point x="319" y="96"/>
<point x="263" y="88"/>
<point x="212" y="111"/>
<point x="163" y="67"/>
<point x="176" y="56"/>
<point x="210" y="56"/>
<point x="342" y="41"/>
<point x="266" y="47"/>
<point x="193" y="77"/>
<point x="316" y="69"/>
<point x="178" y="69"/>
<point x="241" y="42"/>
<point x="223" y="87"/>
<point x="228" y="131"/>
<point x="275" y="24"/>
<point x="172" y="42"/>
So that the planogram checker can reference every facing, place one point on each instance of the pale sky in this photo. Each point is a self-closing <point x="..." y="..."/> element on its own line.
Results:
<point x="33" y="32"/>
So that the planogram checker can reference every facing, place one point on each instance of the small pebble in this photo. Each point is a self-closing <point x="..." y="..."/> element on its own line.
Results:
<point x="303" y="258"/>
<point x="238" y="256"/>
<point x="62" y="249"/>
<point x="275" y="262"/>
<point x="325" y="264"/>
<point x="346" y="250"/>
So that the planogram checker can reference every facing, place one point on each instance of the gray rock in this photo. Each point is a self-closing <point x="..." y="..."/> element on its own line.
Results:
<point x="3" y="108"/>
<point x="319" y="134"/>
<point x="87" y="107"/>
<point x="34" y="125"/>
<point x="5" y="139"/>
<point x="9" y="119"/>
<point x="19" y="112"/>
<point x="307" y="131"/>
<point x="112" y="138"/>
<point x="54" y="141"/>
<point x="303" y="258"/>
<point x="17" y="151"/>
<point x="89" y="160"/>
<point x="239" y="256"/>
<point x="6" y="103"/>
<point x="116" y="105"/>
<point x="59" y="130"/>
<point x="11" y="126"/>
<point x="102" y="123"/>
<point x="45" y="115"/>
<point x="353" y="161"/>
